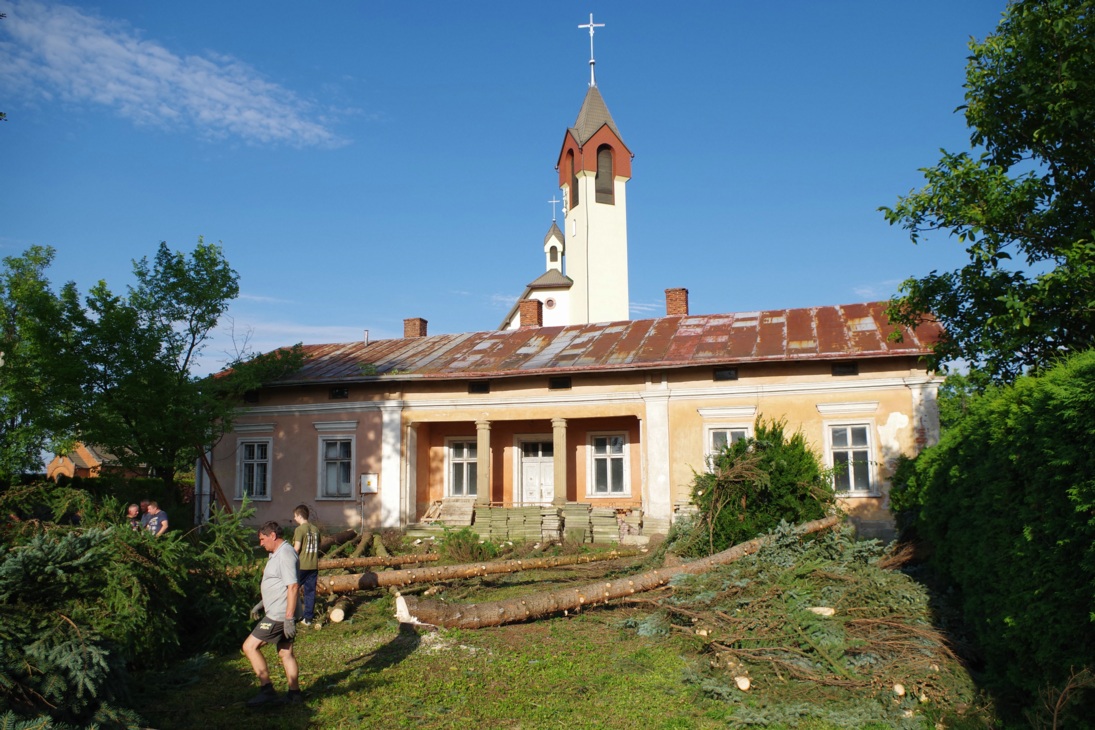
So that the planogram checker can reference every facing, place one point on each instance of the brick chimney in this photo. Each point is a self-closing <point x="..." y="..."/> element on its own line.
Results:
<point x="676" y="302"/>
<point x="532" y="313"/>
<point x="414" y="327"/>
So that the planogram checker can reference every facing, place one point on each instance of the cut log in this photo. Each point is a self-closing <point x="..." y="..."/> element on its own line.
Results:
<point x="342" y="608"/>
<point x="496" y="613"/>
<point x="378" y="547"/>
<point x="338" y="538"/>
<point x="331" y="563"/>
<point x="362" y="544"/>
<point x="348" y="583"/>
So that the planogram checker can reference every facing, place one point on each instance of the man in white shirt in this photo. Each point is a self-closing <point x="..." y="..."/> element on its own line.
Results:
<point x="278" y="624"/>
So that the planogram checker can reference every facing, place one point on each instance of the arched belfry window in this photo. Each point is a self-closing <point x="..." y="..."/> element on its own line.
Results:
<point x="606" y="181"/>
<point x="553" y="254"/>
<point x="573" y="180"/>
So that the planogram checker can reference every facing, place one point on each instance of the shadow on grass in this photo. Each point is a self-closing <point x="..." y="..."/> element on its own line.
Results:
<point x="361" y="672"/>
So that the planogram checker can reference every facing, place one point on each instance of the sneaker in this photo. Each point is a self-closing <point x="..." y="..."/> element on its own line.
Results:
<point x="306" y="622"/>
<point x="295" y="697"/>
<point x="266" y="695"/>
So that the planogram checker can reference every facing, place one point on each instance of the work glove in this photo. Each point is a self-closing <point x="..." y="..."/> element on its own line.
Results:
<point x="289" y="628"/>
<point x="256" y="611"/>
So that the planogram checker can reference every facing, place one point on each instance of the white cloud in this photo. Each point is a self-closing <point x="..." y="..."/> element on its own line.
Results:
<point x="878" y="290"/>
<point x="261" y="299"/>
<point x="60" y="52"/>
<point x="641" y="308"/>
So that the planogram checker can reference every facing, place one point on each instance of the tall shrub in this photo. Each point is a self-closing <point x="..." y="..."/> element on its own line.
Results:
<point x="1007" y="498"/>
<point x="753" y="485"/>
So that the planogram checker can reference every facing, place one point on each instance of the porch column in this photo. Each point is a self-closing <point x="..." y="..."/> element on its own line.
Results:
<point x="559" y="443"/>
<point x="657" y="492"/>
<point x="391" y="463"/>
<point x="482" y="462"/>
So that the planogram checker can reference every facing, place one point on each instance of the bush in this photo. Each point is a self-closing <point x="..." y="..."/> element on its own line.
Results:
<point x="753" y="485"/>
<point x="1006" y="499"/>
<point x="465" y="546"/>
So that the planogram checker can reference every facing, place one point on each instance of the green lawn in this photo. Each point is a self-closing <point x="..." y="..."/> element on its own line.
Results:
<point x="582" y="671"/>
<point x="659" y="662"/>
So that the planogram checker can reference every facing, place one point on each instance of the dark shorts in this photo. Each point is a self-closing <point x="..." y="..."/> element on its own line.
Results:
<point x="269" y="631"/>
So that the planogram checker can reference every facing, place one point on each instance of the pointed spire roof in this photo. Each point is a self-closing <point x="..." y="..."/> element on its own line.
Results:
<point x="553" y="232"/>
<point x="592" y="116"/>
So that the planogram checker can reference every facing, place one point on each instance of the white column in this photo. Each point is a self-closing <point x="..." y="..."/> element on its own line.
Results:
<point x="482" y="461"/>
<point x="657" y="491"/>
<point x="391" y="442"/>
<point x="559" y="460"/>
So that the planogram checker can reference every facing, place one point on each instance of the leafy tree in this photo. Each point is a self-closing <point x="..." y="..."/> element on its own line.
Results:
<point x="1022" y="201"/>
<point x="120" y="368"/>
<point x="31" y="411"/>
<point x="753" y="485"/>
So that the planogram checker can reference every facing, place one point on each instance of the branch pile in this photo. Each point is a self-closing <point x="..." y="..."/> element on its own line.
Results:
<point x="815" y="623"/>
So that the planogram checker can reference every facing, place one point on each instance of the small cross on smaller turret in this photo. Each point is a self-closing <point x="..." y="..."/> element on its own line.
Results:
<point x="554" y="202"/>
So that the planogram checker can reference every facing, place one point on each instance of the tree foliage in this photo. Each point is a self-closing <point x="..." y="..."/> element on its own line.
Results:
<point x="1006" y="498"/>
<point x="1021" y="201"/>
<point x="84" y="598"/>
<point x="753" y="485"/>
<point x="31" y="407"/>
<point x="115" y="370"/>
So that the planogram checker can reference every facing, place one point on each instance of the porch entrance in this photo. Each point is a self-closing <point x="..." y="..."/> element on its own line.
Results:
<point x="537" y="472"/>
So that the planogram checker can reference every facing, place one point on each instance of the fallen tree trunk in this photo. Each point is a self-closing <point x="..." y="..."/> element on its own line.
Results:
<point x="378" y="547"/>
<point x="348" y="583"/>
<point x="365" y="541"/>
<point x="495" y="613"/>
<point x="338" y="538"/>
<point x="327" y="564"/>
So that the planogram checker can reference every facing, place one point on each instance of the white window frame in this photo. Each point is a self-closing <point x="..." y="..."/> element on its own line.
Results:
<point x="241" y="462"/>
<point x="321" y="466"/>
<point x="709" y="436"/>
<point x="872" y="460"/>
<point x="471" y="486"/>
<point x="591" y="458"/>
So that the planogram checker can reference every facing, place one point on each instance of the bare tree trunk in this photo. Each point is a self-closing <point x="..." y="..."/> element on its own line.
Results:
<point x="348" y="583"/>
<point x="336" y="539"/>
<point x="409" y="609"/>
<point x="330" y="563"/>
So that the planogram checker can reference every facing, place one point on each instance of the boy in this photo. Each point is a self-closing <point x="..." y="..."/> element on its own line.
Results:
<point x="306" y="543"/>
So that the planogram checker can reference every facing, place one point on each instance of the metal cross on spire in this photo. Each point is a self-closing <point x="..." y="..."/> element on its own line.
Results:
<point x="591" y="25"/>
<point x="554" y="201"/>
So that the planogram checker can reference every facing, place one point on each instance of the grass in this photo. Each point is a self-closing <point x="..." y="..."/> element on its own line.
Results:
<point x="588" y="670"/>
<point x="582" y="671"/>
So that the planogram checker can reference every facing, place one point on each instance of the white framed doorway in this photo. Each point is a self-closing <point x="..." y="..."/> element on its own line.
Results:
<point x="535" y="467"/>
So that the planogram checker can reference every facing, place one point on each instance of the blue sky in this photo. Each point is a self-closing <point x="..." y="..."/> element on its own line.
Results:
<point x="364" y="162"/>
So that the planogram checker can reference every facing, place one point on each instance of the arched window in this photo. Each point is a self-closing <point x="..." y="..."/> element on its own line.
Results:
<point x="553" y="254"/>
<point x="573" y="180"/>
<point x="606" y="183"/>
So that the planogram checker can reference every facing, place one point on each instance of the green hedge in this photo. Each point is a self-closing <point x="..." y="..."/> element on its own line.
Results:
<point x="1007" y="499"/>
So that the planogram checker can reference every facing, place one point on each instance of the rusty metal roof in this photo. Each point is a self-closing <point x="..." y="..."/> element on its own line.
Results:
<point x="816" y="333"/>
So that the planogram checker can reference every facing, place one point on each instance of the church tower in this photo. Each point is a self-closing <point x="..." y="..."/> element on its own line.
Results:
<point x="594" y="166"/>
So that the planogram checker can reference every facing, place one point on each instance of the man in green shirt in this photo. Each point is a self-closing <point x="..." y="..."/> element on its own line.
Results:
<point x="306" y="543"/>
